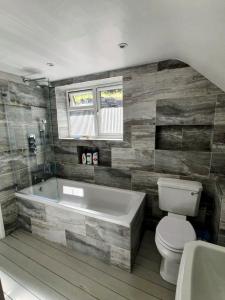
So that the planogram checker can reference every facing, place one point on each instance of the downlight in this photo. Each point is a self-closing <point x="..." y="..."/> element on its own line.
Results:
<point x="123" y="45"/>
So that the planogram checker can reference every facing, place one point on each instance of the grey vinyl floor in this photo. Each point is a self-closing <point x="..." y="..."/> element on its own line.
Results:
<point x="32" y="268"/>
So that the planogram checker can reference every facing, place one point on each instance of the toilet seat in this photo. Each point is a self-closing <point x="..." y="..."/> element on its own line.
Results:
<point x="166" y="246"/>
<point x="174" y="232"/>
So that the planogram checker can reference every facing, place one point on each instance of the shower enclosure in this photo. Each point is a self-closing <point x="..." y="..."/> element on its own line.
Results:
<point x="26" y="140"/>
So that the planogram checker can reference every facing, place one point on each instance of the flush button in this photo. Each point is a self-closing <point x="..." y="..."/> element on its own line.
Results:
<point x="193" y="193"/>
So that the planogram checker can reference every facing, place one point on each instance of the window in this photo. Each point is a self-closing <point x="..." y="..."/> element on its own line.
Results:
<point x="96" y="112"/>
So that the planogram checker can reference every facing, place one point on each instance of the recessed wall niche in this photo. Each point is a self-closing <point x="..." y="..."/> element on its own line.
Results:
<point x="184" y="138"/>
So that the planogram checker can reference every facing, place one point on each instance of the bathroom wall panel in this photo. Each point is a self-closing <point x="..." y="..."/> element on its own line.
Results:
<point x="75" y="172"/>
<point x="4" y="142"/>
<point x="147" y="181"/>
<point x="219" y="138"/>
<point x="52" y="232"/>
<point x="182" y="162"/>
<point x="112" y="177"/>
<point x="129" y="158"/>
<point x="219" y="213"/>
<point x="180" y="99"/>
<point x="9" y="214"/>
<point x="5" y="162"/>
<point x="24" y="222"/>
<point x="186" y="111"/>
<point x="2" y="114"/>
<point x="21" y="110"/>
<point x="88" y="245"/>
<point x="22" y="94"/>
<point x="110" y="233"/>
<point x="220" y="110"/>
<point x="65" y="153"/>
<point x="143" y="137"/>
<point x="107" y="241"/>
<point x="218" y="163"/>
<point x="32" y="209"/>
<point x="197" y="138"/>
<point x="169" y="137"/>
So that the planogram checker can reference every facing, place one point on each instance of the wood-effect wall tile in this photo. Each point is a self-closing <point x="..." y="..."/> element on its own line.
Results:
<point x="112" y="177"/>
<point x="109" y="233"/>
<point x="182" y="162"/>
<point x="128" y="158"/>
<point x="88" y="245"/>
<point x="143" y="137"/>
<point x="186" y="111"/>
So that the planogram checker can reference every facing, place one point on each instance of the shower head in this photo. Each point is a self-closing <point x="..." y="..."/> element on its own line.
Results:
<point x="26" y="79"/>
<point x="42" y="81"/>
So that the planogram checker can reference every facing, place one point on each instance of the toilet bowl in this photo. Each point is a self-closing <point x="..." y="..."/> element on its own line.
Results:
<point x="171" y="235"/>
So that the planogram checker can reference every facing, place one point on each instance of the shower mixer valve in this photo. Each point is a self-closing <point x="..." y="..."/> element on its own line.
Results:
<point x="32" y="144"/>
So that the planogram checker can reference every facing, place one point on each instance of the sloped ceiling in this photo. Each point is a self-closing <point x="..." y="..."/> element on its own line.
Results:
<point x="82" y="36"/>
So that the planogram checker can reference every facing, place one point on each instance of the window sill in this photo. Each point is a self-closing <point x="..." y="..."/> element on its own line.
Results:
<point x="92" y="139"/>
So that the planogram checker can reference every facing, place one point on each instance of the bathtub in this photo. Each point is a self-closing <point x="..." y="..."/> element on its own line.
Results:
<point x="97" y="220"/>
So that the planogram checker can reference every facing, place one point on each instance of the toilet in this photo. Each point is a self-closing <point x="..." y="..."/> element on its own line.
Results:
<point x="180" y="198"/>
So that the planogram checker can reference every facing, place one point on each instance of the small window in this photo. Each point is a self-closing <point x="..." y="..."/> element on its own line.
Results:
<point x="96" y="112"/>
<point x="110" y="111"/>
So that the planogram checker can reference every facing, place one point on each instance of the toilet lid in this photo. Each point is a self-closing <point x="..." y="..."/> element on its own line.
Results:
<point x="175" y="232"/>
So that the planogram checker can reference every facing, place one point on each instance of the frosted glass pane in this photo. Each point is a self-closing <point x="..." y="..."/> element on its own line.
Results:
<point x="111" y="120"/>
<point x="82" y="123"/>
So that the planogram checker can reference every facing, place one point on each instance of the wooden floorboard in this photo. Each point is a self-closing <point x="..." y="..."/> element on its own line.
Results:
<point x="35" y="286"/>
<point x="50" y="271"/>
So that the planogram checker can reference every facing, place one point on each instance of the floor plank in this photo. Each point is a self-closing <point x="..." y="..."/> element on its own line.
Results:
<point x="14" y="290"/>
<point x="43" y="274"/>
<point x="133" y="279"/>
<point x="51" y="271"/>
<point x="75" y="278"/>
<point x="23" y="278"/>
<point x="103" y="279"/>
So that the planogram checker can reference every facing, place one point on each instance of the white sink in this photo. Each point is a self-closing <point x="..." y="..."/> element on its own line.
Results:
<point x="202" y="272"/>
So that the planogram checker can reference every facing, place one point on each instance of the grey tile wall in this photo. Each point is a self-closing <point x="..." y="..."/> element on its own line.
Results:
<point x="174" y="122"/>
<point x="110" y="242"/>
<point x="186" y="111"/>
<point x="219" y="213"/>
<point x="21" y="109"/>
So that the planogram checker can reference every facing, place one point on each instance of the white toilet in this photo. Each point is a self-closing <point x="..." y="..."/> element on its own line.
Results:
<point x="180" y="198"/>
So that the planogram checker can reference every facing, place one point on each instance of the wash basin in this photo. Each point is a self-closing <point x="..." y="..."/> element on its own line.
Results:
<point x="202" y="272"/>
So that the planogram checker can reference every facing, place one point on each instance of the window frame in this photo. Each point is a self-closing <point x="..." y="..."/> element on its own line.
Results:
<point x="95" y="108"/>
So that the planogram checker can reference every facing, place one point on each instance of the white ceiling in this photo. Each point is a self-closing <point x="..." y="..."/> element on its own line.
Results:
<point x="82" y="36"/>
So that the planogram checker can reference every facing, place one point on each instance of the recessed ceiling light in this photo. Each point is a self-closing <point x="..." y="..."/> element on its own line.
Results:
<point x="50" y="64"/>
<point x="123" y="45"/>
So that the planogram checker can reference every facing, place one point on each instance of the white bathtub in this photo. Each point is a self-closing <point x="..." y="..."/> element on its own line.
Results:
<point x="105" y="203"/>
<point x="99" y="221"/>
